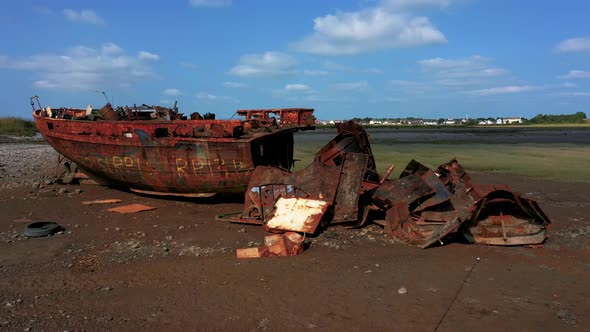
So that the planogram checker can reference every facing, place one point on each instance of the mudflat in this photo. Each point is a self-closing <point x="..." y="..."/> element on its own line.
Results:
<point x="463" y="135"/>
<point x="174" y="268"/>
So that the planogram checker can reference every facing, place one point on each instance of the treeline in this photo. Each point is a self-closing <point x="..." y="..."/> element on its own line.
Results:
<point x="579" y="117"/>
<point x="17" y="127"/>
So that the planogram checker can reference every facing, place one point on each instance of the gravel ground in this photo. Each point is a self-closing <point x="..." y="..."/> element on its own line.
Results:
<point x="25" y="164"/>
<point x="175" y="268"/>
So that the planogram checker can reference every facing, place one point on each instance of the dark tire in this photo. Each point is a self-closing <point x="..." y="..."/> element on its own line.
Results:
<point x="41" y="228"/>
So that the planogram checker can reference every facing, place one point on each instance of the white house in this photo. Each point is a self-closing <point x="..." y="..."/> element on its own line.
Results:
<point x="509" y="120"/>
<point x="486" y="122"/>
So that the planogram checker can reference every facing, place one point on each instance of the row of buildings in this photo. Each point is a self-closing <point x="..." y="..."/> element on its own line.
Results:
<point x="431" y="122"/>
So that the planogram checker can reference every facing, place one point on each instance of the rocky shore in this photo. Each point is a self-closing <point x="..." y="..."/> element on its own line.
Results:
<point x="24" y="164"/>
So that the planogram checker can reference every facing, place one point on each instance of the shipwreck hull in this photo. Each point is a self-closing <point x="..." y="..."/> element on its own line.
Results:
<point x="182" y="157"/>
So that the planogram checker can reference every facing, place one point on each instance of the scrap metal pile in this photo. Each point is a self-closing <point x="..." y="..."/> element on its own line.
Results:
<point x="421" y="207"/>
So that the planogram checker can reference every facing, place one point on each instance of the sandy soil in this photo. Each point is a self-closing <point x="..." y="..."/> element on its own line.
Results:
<point x="174" y="268"/>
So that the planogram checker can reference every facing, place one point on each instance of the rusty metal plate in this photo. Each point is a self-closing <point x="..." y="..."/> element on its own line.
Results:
<point x="297" y="214"/>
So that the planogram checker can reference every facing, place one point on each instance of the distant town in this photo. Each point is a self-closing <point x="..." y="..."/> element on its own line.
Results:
<point x="430" y="122"/>
<point x="579" y="117"/>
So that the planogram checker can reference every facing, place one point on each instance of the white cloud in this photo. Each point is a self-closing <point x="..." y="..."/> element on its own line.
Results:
<point x="82" y="67"/>
<point x="297" y="87"/>
<point x="111" y="48"/>
<point x="573" y="74"/>
<point x="315" y="73"/>
<point x="349" y="69"/>
<point x="403" y="83"/>
<point x="293" y="92"/>
<point x="572" y="45"/>
<point x="269" y="64"/>
<point x="188" y="65"/>
<point x="461" y="71"/>
<point x="43" y="10"/>
<point x="207" y="97"/>
<point x="374" y="71"/>
<point x="234" y="85"/>
<point x="172" y="92"/>
<point x="569" y="85"/>
<point x="576" y="94"/>
<point x="348" y="33"/>
<point x="405" y="87"/>
<point x="84" y="16"/>
<point x="442" y="63"/>
<point x="143" y="55"/>
<point x="412" y="4"/>
<point x="210" y="3"/>
<point x="352" y="86"/>
<point x="504" y="90"/>
<point x="338" y="67"/>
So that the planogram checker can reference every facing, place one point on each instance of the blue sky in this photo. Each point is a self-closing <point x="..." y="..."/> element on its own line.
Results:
<point x="379" y="58"/>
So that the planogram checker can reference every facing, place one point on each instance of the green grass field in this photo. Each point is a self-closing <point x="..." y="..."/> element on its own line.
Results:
<point x="559" y="162"/>
<point x="17" y="127"/>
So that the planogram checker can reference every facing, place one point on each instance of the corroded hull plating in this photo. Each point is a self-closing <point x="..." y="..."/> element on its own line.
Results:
<point x="183" y="157"/>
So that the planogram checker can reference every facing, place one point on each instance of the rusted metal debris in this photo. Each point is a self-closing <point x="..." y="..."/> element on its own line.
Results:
<point x="102" y="201"/>
<point x="132" y="208"/>
<point x="286" y="244"/>
<point x="421" y="207"/>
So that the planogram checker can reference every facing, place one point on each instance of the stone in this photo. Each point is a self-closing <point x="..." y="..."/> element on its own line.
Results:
<point x="402" y="291"/>
<point x="566" y="316"/>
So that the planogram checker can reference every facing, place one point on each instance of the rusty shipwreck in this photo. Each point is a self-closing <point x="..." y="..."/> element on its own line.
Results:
<point x="156" y="150"/>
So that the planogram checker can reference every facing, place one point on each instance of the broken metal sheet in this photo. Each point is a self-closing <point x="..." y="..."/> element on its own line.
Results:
<point x="441" y="193"/>
<point x="407" y="189"/>
<point x="132" y="208"/>
<point x="453" y="172"/>
<point x="268" y="184"/>
<point x="402" y="226"/>
<point x="340" y="175"/>
<point x="432" y="179"/>
<point x="297" y="214"/>
<point x="351" y="138"/>
<point x="394" y="218"/>
<point x="287" y="244"/>
<point x="102" y="201"/>
<point x="459" y="206"/>
<point x="507" y="231"/>
<point x="339" y="184"/>
<point x="504" y="218"/>
<point x="346" y="203"/>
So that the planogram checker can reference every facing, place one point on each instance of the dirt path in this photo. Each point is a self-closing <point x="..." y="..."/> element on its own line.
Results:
<point x="174" y="268"/>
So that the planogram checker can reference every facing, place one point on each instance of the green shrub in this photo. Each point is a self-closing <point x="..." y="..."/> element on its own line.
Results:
<point x="17" y="127"/>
